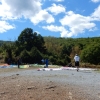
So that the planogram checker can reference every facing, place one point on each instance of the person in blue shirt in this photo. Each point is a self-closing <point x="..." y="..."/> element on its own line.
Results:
<point x="46" y="61"/>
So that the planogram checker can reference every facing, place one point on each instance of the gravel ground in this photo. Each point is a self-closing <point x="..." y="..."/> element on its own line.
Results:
<point x="30" y="84"/>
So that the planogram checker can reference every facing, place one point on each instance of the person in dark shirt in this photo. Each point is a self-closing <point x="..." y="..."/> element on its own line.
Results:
<point x="19" y="62"/>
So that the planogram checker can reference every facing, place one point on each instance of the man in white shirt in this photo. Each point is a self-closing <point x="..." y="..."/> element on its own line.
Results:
<point x="76" y="59"/>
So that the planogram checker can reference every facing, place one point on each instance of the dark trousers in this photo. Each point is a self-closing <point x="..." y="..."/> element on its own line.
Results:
<point x="77" y="63"/>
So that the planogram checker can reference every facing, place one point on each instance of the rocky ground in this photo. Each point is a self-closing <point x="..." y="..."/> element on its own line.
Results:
<point x="30" y="84"/>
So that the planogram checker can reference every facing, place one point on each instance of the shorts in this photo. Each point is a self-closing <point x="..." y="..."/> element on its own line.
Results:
<point x="77" y="63"/>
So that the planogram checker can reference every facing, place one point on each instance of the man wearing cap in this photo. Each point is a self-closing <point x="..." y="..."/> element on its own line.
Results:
<point x="76" y="59"/>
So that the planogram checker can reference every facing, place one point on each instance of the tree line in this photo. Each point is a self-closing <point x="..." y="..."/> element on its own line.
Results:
<point x="32" y="48"/>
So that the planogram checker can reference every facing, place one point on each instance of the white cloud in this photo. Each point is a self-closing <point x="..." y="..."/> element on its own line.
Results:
<point x="73" y="24"/>
<point x="43" y="15"/>
<point x="54" y="28"/>
<point x="56" y="9"/>
<point x="60" y="29"/>
<point x="4" y="26"/>
<point x="96" y="13"/>
<point x="16" y="8"/>
<point x="57" y="0"/>
<point x="28" y="9"/>
<point x="71" y="19"/>
<point x="95" y="1"/>
<point x="77" y="23"/>
<point x="37" y="32"/>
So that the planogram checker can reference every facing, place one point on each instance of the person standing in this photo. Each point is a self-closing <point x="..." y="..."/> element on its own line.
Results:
<point x="46" y="63"/>
<point x="19" y="62"/>
<point x="77" y="59"/>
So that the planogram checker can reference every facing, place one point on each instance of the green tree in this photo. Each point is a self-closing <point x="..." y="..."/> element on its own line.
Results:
<point x="29" y="39"/>
<point x="91" y="54"/>
<point x="25" y="39"/>
<point x="32" y="44"/>
<point x="39" y="43"/>
<point x="8" y="49"/>
<point x="25" y="57"/>
<point x="66" y="50"/>
<point x="35" y="55"/>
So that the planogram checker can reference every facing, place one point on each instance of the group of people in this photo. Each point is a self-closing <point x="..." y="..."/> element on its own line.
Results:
<point x="76" y="59"/>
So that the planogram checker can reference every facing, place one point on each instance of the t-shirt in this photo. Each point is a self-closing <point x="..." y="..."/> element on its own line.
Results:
<point x="76" y="58"/>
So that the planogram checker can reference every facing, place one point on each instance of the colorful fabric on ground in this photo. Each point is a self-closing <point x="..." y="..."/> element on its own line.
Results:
<point x="63" y="68"/>
<point x="7" y="66"/>
<point x="24" y="66"/>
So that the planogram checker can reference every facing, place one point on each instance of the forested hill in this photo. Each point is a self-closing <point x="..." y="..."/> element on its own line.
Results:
<point x="32" y="48"/>
<point x="58" y="48"/>
<point x="87" y="48"/>
<point x="66" y="40"/>
<point x="84" y="41"/>
<point x="2" y="42"/>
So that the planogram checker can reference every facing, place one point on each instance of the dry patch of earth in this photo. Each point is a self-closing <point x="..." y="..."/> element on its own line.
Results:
<point x="30" y="84"/>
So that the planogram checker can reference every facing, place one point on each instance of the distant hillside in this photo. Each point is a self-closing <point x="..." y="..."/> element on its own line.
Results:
<point x="59" y="51"/>
<point x="2" y="42"/>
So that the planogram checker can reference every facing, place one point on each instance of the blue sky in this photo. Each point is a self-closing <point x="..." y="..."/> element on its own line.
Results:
<point x="58" y="18"/>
